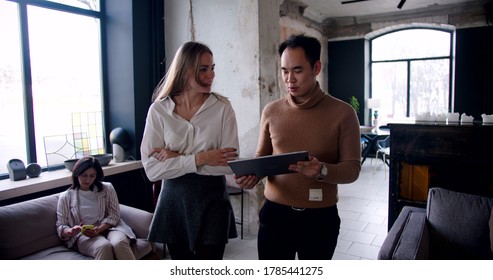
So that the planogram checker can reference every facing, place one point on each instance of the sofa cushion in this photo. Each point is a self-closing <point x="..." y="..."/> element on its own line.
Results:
<point x="38" y="231"/>
<point x="137" y="219"/>
<point x="414" y="240"/>
<point x="141" y="247"/>
<point x="393" y="238"/>
<point x="459" y="225"/>
<point x="60" y="252"/>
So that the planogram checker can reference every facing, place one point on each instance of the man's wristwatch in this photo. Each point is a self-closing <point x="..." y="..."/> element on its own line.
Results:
<point x="323" y="172"/>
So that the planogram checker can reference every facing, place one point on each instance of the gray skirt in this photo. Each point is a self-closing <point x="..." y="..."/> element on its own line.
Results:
<point x="193" y="210"/>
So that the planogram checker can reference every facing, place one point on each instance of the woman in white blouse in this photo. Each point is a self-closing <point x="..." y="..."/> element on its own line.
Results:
<point x="190" y="135"/>
<point x="91" y="202"/>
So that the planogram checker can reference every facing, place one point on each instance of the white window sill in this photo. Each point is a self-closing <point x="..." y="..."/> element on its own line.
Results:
<point x="54" y="179"/>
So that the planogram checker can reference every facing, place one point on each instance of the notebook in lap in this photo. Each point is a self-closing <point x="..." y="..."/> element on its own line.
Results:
<point x="267" y="165"/>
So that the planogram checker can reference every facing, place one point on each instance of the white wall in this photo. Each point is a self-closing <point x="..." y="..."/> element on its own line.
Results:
<point x="176" y="27"/>
<point x="243" y="35"/>
<point x="244" y="52"/>
<point x="292" y="25"/>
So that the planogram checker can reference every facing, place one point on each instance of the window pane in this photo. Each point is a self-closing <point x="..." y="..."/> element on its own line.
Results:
<point x="92" y="5"/>
<point x="425" y="53"/>
<point x="389" y="85"/>
<point x="66" y="73"/>
<point x="413" y="43"/>
<point x="429" y="87"/>
<point x="12" y="132"/>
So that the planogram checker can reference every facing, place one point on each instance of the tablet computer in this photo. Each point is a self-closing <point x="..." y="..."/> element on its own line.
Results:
<point x="267" y="165"/>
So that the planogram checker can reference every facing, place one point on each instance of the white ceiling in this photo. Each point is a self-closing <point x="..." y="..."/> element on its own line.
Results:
<point x="319" y="10"/>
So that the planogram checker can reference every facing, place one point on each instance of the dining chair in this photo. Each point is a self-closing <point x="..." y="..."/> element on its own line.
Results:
<point x="383" y="152"/>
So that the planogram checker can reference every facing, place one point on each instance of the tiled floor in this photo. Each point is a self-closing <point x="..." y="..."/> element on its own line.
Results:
<point x="363" y="210"/>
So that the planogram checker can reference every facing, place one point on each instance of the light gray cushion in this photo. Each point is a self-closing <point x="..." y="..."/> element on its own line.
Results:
<point x="141" y="247"/>
<point x="137" y="219"/>
<point x="458" y="225"/>
<point x="413" y="243"/>
<point x="27" y="231"/>
<point x="60" y="252"/>
<point x="28" y="227"/>
<point x="394" y="243"/>
<point x="140" y="221"/>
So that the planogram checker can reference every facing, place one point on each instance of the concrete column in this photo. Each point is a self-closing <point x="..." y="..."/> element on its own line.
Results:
<point x="243" y="35"/>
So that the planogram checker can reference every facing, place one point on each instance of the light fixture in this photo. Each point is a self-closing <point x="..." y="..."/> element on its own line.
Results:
<point x="353" y="1"/>
<point x="401" y="4"/>
<point x="120" y="141"/>
<point x="374" y="104"/>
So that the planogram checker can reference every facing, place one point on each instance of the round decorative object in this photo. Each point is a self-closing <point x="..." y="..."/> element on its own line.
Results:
<point x="104" y="159"/>
<point x="121" y="137"/>
<point x="17" y="170"/>
<point x="33" y="170"/>
<point x="70" y="163"/>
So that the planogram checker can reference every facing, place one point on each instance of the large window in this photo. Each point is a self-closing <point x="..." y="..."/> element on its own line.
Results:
<point x="50" y="81"/>
<point x="411" y="73"/>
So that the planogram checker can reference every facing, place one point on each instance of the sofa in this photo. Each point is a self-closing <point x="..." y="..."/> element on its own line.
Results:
<point x="27" y="231"/>
<point x="453" y="225"/>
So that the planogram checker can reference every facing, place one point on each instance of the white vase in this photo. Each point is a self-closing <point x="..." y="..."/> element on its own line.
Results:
<point x="118" y="153"/>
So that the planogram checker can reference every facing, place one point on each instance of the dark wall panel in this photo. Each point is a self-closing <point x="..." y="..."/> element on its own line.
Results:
<point x="346" y="71"/>
<point x="135" y="42"/>
<point x="474" y="71"/>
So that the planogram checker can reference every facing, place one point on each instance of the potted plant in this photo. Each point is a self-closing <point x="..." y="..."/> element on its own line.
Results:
<point x="353" y="101"/>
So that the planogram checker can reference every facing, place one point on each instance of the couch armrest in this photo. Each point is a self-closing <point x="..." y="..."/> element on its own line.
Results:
<point x="408" y="238"/>
<point x="137" y="219"/>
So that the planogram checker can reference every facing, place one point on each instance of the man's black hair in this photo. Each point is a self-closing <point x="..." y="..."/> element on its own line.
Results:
<point x="310" y="45"/>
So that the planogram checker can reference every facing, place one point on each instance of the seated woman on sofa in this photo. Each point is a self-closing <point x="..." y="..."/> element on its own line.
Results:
<point x="91" y="202"/>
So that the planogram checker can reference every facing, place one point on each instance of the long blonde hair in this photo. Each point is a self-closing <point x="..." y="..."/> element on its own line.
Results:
<point x="175" y="81"/>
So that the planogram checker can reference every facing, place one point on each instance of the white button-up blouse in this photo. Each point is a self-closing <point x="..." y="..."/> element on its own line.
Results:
<point x="212" y="127"/>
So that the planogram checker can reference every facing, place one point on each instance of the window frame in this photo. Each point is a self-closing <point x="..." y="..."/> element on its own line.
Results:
<point x="26" y="68"/>
<point x="408" y="62"/>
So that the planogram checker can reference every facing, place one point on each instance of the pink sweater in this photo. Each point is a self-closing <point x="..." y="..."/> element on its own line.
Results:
<point x="324" y="126"/>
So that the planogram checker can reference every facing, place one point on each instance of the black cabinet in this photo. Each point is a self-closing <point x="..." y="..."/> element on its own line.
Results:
<point x="133" y="189"/>
<point x="451" y="156"/>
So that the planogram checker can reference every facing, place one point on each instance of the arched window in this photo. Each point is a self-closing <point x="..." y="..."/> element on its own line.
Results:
<point x="411" y="73"/>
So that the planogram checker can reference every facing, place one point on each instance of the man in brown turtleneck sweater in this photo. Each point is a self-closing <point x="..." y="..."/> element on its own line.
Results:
<point x="300" y="214"/>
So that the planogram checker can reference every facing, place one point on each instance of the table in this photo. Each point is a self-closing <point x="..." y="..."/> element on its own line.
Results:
<point x="371" y="138"/>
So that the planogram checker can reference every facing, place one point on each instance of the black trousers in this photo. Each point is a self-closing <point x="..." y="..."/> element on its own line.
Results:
<point x="285" y="231"/>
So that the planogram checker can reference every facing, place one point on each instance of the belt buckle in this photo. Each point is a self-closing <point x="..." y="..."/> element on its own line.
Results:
<point x="297" y="209"/>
